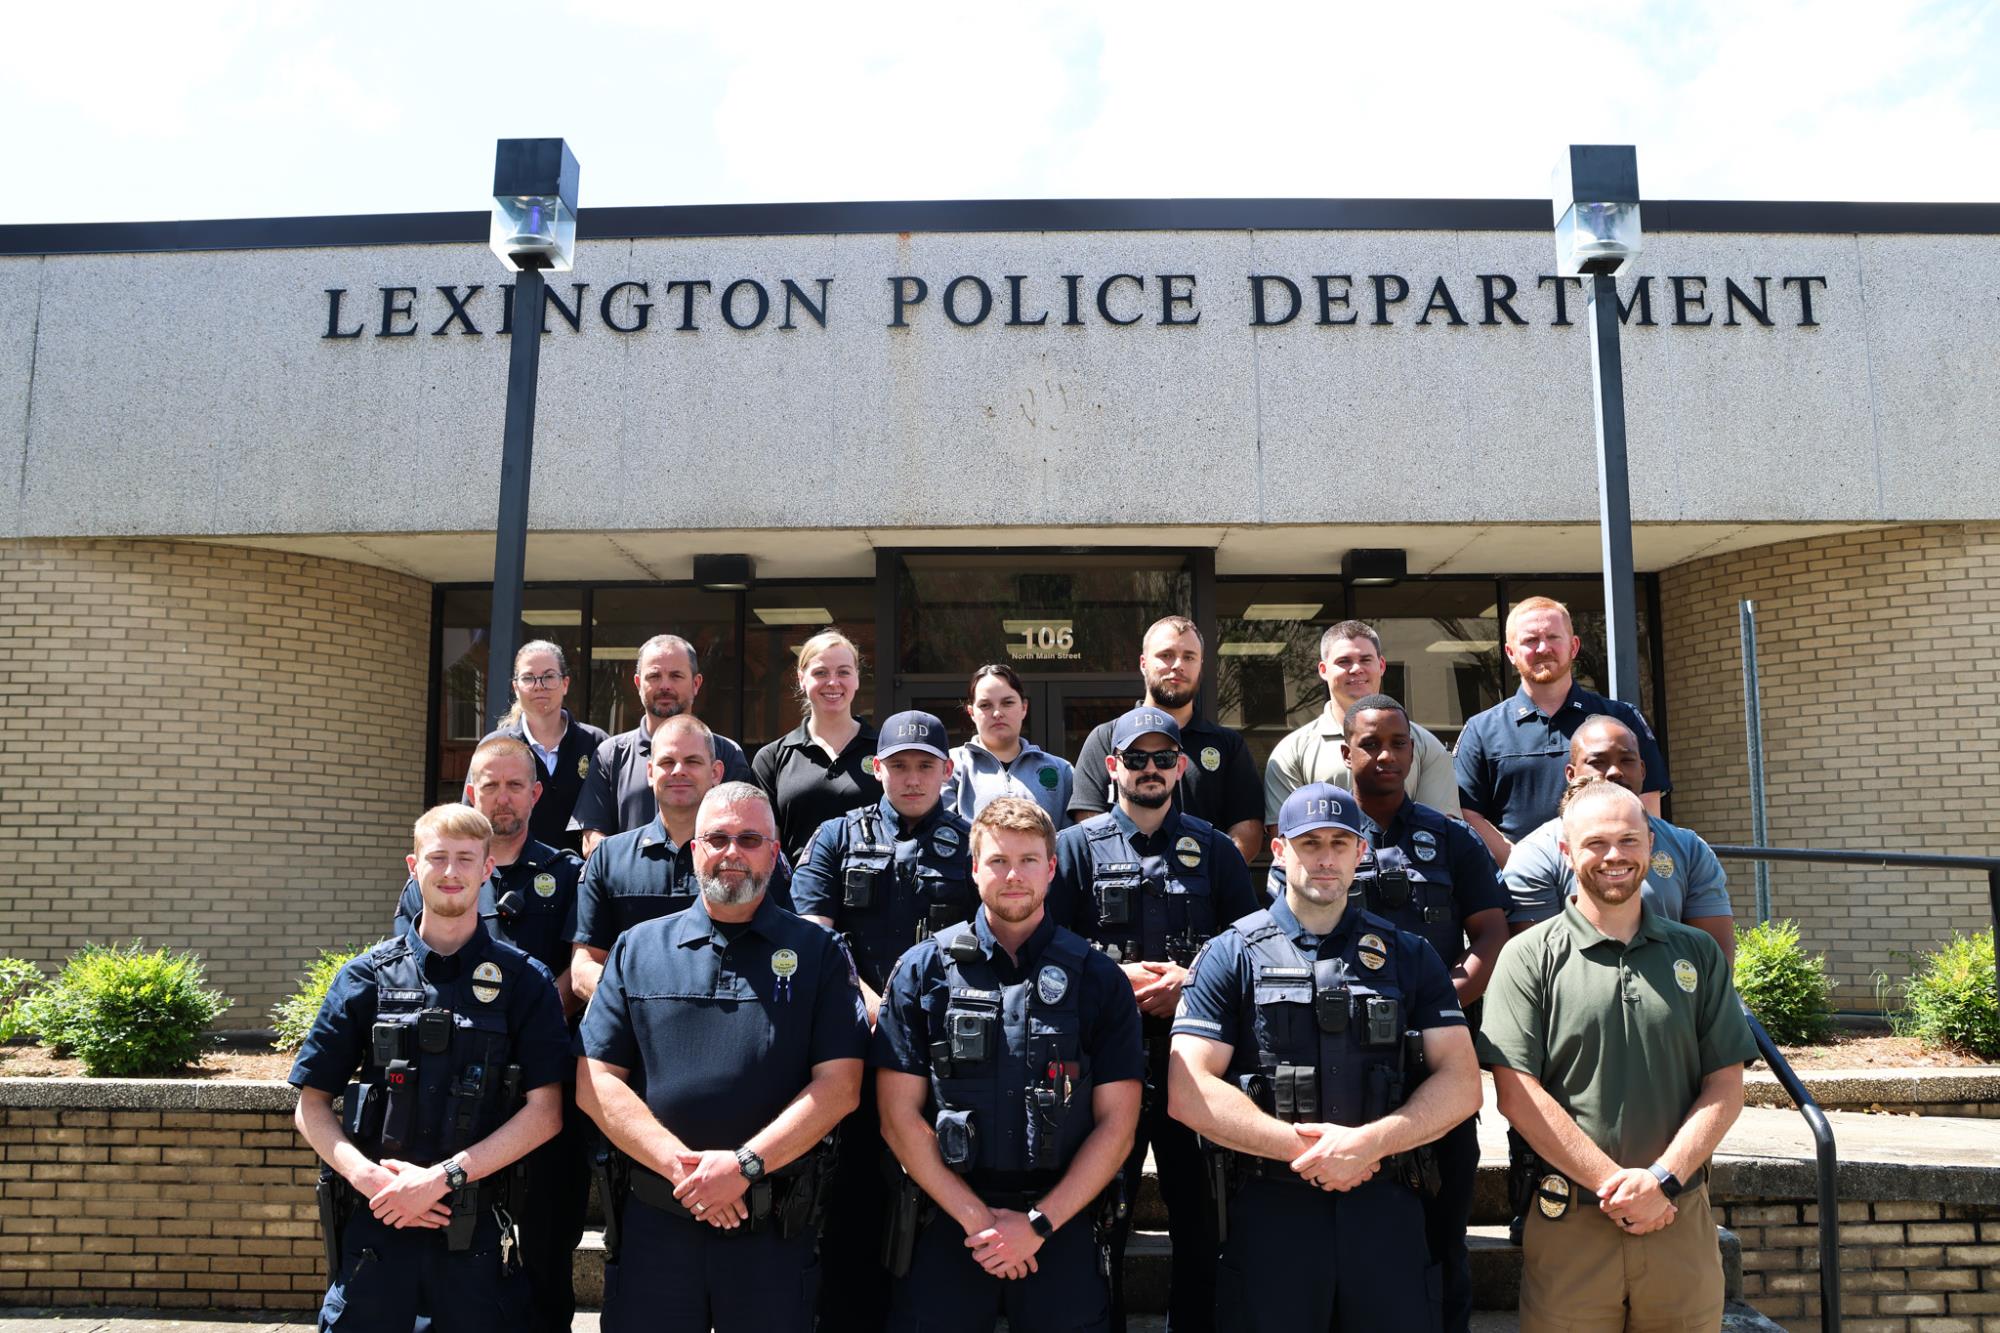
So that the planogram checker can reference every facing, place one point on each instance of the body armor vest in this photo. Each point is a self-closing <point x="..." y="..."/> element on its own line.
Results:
<point x="900" y="892"/>
<point x="1150" y="908"/>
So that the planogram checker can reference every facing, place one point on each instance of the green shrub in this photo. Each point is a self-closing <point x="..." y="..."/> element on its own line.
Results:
<point x="293" y="1016"/>
<point x="19" y="978"/>
<point x="126" y="1011"/>
<point x="1950" y="999"/>
<point x="1786" y="987"/>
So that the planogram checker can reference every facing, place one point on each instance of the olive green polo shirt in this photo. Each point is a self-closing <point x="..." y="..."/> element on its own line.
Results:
<point x="1621" y="1035"/>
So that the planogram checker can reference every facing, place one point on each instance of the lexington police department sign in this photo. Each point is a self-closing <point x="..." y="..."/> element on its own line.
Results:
<point x="1068" y="300"/>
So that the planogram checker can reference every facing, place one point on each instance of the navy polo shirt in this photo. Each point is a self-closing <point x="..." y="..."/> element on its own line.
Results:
<point x="1451" y="867"/>
<point x="1159" y="855"/>
<point x="617" y="798"/>
<point x="336" y="1047"/>
<point x="640" y="875"/>
<point x="807" y="788"/>
<point x="1221" y="784"/>
<point x="1219" y="1001"/>
<point x="721" y="1025"/>
<point x="1510" y="758"/>
<point x="919" y="991"/>
<point x="561" y="780"/>
<point x="940" y="841"/>
<point x="544" y="879"/>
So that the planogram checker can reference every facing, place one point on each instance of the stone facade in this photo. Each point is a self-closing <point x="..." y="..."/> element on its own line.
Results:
<point x="206" y="747"/>
<point x="1879" y="661"/>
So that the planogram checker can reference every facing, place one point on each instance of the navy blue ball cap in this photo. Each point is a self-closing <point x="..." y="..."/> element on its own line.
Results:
<point x="1318" y="805"/>
<point x="1144" y="721"/>
<point x="912" y="731"/>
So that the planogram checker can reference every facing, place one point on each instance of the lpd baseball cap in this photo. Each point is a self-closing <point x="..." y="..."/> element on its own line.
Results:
<point x="1144" y="721"/>
<point x="912" y="731"/>
<point x="1318" y="805"/>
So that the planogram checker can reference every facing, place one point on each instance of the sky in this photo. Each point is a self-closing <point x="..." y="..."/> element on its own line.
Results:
<point x="276" y="108"/>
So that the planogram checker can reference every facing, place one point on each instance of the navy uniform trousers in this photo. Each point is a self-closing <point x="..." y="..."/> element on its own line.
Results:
<point x="761" y="1283"/>
<point x="1305" y="1260"/>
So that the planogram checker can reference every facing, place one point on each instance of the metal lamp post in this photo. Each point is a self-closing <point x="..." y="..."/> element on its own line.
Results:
<point x="534" y="230"/>
<point x="1597" y="236"/>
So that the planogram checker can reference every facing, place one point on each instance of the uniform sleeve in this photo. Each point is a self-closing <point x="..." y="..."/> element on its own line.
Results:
<point x="596" y="808"/>
<point x="1235" y="890"/>
<point x="1280" y="776"/>
<point x="735" y="764"/>
<point x="1725" y="1035"/>
<point x="1534" y="878"/>
<point x="1431" y="1001"/>
<point x="572" y="869"/>
<point x="1091" y="792"/>
<point x="902" y="1039"/>
<point x="1470" y="771"/>
<point x="541" y="1037"/>
<point x="1069" y="891"/>
<point x="816" y="884"/>
<point x="1475" y="879"/>
<point x="594" y="924"/>
<point x="408" y="907"/>
<point x="1242" y="792"/>
<point x="331" y="1052"/>
<point x="1707" y="892"/>
<point x="1649" y="750"/>
<point x="780" y="888"/>
<point x="840" y="1016"/>
<point x="1434" y="782"/>
<point x="1209" y="1000"/>
<point x="1512" y="1032"/>
<point x="606" y="1033"/>
<point x="1115" y="1043"/>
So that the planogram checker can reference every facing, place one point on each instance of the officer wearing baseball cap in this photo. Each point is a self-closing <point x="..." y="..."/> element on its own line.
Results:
<point x="883" y="877"/>
<point x="1148" y="884"/>
<point x="1358" y="1054"/>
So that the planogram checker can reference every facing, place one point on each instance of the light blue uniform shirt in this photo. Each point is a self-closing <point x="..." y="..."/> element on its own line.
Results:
<point x="977" y="777"/>
<point x="1684" y="881"/>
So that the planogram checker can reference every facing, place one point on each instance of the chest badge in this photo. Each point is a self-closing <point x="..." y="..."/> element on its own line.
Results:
<point x="945" y="841"/>
<point x="583" y="767"/>
<point x="1372" y="952"/>
<point x="1047" y="777"/>
<point x="489" y="973"/>
<point x="783" y="964"/>
<point x="1188" y="851"/>
<point x="1663" y="865"/>
<point x="1051" y="984"/>
<point x="545" y="885"/>
<point x="1211" y="758"/>
<point x="1424" y="844"/>
<point x="1685" y="976"/>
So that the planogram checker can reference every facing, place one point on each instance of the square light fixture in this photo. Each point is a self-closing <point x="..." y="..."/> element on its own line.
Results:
<point x="1596" y="199"/>
<point x="725" y="573"/>
<point x="534" y="205"/>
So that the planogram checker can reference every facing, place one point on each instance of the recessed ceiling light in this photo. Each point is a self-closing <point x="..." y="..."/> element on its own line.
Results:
<point x="793" y="615"/>
<point x="1281" y="610"/>
<point x="556" y="616"/>
<point x="1251" y="648"/>
<point x="1462" y="646"/>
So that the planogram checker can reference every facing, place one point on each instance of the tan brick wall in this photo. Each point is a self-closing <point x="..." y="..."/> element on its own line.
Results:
<point x="209" y="747"/>
<point x="203" y="1209"/>
<point x="1879" y="663"/>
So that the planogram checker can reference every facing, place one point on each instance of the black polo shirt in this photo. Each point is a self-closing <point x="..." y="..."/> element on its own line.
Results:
<point x="807" y="788"/>
<point x="616" y="798"/>
<point x="1221" y="784"/>
<point x="1510" y="758"/>
<point x="560" y="784"/>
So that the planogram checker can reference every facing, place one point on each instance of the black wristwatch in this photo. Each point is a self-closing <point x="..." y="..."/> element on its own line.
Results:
<point x="1670" y="1184"/>
<point x="454" y="1172"/>
<point x="1039" y="1220"/>
<point x="750" y="1164"/>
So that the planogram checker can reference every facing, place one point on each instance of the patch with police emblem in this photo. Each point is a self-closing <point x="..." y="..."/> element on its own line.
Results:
<point x="1552" y="1196"/>
<point x="1663" y="865"/>
<point x="1425" y="844"/>
<point x="1685" y="976"/>
<point x="1211" y="758"/>
<point x="1188" y="851"/>
<point x="868" y="765"/>
<point x="945" y="841"/>
<point x="1373" y="952"/>
<point x="545" y="885"/>
<point x="1047" y="777"/>
<point x="490" y="974"/>
<point x="583" y="767"/>
<point x="1051" y="984"/>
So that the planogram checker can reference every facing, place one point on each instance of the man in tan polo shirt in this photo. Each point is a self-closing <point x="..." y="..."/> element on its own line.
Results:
<point x="1619" y="1237"/>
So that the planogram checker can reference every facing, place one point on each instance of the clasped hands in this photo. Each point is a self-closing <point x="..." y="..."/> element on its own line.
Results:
<point x="1632" y="1198"/>
<point x="1006" y="1245"/>
<point x="1156" y="986"/>
<point x="1337" y="1157"/>
<point x="711" y="1185"/>
<point x="403" y="1195"/>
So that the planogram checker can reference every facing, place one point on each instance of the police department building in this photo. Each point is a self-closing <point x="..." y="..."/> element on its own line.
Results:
<point x="249" y="472"/>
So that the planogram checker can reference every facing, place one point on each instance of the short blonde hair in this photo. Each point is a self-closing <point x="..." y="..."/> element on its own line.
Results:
<point x="451" y="821"/>
<point x="814" y="647"/>
<point x="1532" y="604"/>
<point x="1016" y="814"/>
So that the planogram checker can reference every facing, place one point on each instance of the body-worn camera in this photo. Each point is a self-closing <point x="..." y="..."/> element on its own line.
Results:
<point x="971" y="1037"/>
<point x="859" y="887"/>
<point x="1114" y="901"/>
<point x="1384" y="1017"/>
<point x="434" y="1031"/>
<point x="391" y="1042"/>
<point x="1392" y="886"/>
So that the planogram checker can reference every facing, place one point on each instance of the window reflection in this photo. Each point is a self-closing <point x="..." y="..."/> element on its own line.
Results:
<point x="1441" y="641"/>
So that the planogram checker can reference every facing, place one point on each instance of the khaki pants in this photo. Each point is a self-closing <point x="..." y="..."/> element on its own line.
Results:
<point x="1583" y="1274"/>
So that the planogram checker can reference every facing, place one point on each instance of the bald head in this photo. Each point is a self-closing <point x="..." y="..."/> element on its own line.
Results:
<point x="1606" y="747"/>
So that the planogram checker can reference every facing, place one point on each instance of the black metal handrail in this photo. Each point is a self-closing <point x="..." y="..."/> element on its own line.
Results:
<point x="1827" y="1185"/>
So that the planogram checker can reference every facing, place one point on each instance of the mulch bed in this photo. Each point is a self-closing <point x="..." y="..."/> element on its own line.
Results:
<point x="228" y="1063"/>
<point x="1851" y="1051"/>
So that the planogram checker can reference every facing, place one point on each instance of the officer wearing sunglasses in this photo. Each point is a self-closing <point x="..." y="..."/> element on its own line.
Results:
<point x="1149" y="884"/>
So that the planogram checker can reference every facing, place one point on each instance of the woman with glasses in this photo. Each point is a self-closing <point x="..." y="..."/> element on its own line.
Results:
<point x="563" y="746"/>
<point x="998" y="760"/>
<point x="825" y="766"/>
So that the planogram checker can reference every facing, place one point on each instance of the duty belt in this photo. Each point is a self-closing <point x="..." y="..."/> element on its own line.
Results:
<point x="1554" y="1194"/>
<point x="774" y="1201"/>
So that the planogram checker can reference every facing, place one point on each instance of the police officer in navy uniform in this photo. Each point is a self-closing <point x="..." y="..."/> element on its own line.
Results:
<point x="1148" y="884"/>
<point x="447" y="1049"/>
<point x="1009" y="1076"/>
<point x="723" y="1045"/>
<point x="1296" y="1046"/>
<point x="648" y="872"/>
<point x="884" y="876"/>
<point x="529" y="901"/>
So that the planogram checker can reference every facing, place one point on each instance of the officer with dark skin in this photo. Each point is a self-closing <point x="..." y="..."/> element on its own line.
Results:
<point x="530" y="902"/>
<point x="883" y="877"/>
<point x="1292" y="1049"/>
<point x="446" y="1046"/>
<point x="1009" y="1071"/>
<point x="722" y="1046"/>
<point x="1148" y="885"/>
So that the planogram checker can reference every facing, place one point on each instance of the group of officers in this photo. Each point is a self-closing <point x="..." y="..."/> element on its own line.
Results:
<point x="868" y="1034"/>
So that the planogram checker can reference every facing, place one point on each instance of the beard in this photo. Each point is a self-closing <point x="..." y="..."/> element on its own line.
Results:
<point x="457" y="905"/>
<point x="663" y="707"/>
<point x="1611" y="895"/>
<point x="1547" y="671"/>
<point x="1164" y="695"/>
<point x="1147" y="798"/>
<point x="506" y="825"/>
<point x="721" y="893"/>
<point x="1012" y="914"/>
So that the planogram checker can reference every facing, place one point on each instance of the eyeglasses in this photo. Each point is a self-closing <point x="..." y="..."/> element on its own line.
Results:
<point x="1135" y="760"/>
<point x="721" y="842"/>
<point x="545" y="681"/>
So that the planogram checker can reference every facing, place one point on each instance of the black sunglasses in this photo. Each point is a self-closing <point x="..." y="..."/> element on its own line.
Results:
<point x="1135" y="760"/>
